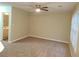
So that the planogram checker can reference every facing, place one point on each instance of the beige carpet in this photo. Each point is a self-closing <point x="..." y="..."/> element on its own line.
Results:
<point x="35" y="47"/>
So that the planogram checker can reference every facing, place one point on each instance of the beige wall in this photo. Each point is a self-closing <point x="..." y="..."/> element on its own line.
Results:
<point x="51" y="26"/>
<point x="19" y="23"/>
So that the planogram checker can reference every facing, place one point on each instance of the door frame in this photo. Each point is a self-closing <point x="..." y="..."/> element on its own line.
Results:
<point x="9" y="25"/>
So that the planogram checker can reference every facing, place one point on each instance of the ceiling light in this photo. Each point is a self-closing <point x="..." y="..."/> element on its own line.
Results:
<point x="38" y="10"/>
<point x="6" y="13"/>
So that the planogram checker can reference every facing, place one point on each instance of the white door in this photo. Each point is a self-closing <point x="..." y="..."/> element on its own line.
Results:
<point x="1" y="27"/>
<point x="1" y="33"/>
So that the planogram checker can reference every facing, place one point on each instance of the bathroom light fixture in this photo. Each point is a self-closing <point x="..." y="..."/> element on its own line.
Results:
<point x="37" y="10"/>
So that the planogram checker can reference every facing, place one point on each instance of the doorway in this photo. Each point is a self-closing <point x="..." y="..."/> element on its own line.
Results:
<point x="5" y="26"/>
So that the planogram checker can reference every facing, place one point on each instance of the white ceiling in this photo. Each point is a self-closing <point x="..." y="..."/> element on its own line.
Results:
<point x="52" y="6"/>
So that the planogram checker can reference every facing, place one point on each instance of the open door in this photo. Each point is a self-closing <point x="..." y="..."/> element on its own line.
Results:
<point x="5" y="26"/>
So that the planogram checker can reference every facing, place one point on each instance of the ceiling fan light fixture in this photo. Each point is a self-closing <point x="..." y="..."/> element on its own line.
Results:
<point x="37" y="10"/>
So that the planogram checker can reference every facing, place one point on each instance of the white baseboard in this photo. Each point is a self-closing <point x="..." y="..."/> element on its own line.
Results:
<point x="38" y="37"/>
<point x="18" y="39"/>
<point x="49" y="39"/>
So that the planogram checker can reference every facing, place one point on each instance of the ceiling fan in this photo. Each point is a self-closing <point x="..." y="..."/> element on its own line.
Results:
<point x="39" y="8"/>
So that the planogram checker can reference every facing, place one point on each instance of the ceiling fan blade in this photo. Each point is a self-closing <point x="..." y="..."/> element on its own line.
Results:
<point x="44" y="9"/>
<point x="38" y="6"/>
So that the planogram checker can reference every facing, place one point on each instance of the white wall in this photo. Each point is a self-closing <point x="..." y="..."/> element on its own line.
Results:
<point x="1" y="27"/>
<point x="53" y="26"/>
<point x="19" y="23"/>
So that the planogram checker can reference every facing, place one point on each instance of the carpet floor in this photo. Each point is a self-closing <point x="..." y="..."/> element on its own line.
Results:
<point x="35" y="47"/>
